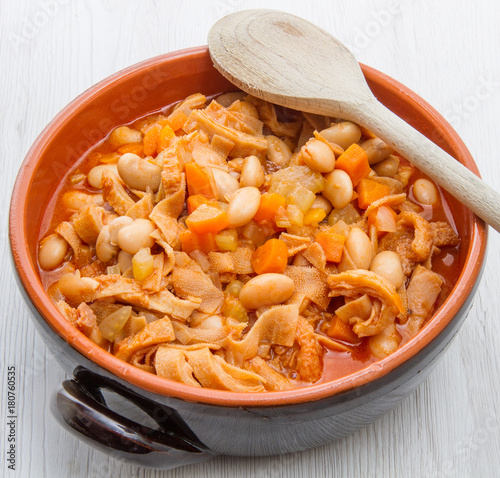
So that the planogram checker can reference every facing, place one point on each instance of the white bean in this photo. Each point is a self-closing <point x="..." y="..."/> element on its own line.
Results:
<point x="343" y="134"/>
<point x="76" y="200"/>
<point x="322" y="203"/>
<point x="76" y="288"/>
<point x="266" y="289"/>
<point x="277" y="151"/>
<point x="139" y="173"/>
<point x="243" y="206"/>
<point x="227" y="185"/>
<point x="376" y="150"/>
<point x="386" y="342"/>
<point x="359" y="248"/>
<point x="425" y="192"/>
<point x="136" y="236"/>
<point x="104" y="249"/>
<point x="107" y="240"/>
<point x="318" y="156"/>
<point x="338" y="188"/>
<point x="124" y="135"/>
<point x="115" y="225"/>
<point x="388" y="264"/>
<point x="252" y="173"/>
<point x="387" y="167"/>
<point x="52" y="251"/>
<point x="227" y="99"/>
<point x="95" y="174"/>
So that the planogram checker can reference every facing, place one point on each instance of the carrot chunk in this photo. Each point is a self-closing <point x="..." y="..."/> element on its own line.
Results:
<point x="197" y="200"/>
<point x="135" y="148"/>
<point x="198" y="181"/>
<point x="191" y="241"/>
<point x="269" y="205"/>
<point x="207" y="219"/>
<point x="339" y="330"/>
<point x="272" y="256"/>
<point x="370" y="191"/>
<point x="354" y="161"/>
<point x="150" y="140"/>
<point x="332" y="244"/>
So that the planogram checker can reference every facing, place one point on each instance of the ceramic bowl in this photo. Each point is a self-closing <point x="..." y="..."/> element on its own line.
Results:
<point x="165" y="423"/>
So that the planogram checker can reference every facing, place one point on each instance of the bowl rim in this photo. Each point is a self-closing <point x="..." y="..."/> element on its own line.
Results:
<point x="28" y="273"/>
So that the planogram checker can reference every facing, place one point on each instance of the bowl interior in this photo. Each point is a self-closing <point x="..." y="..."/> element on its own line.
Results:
<point x="147" y="87"/>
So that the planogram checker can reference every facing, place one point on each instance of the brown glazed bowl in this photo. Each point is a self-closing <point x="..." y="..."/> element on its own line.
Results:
<point x="169" y="424"/>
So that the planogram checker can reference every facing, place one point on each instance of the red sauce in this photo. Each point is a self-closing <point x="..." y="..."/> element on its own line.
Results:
<point x="336" y="364"/>
<point x="446" y="264"/>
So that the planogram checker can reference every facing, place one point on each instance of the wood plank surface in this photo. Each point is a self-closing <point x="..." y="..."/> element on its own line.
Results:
<point x="447" y="51"/>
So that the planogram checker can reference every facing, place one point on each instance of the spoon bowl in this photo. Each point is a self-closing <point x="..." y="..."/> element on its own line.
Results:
<point x="286" y="60"/>
<point x="311" y="70"/>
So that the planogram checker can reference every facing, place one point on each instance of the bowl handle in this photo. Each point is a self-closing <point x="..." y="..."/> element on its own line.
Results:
<point x="80" y="407"/>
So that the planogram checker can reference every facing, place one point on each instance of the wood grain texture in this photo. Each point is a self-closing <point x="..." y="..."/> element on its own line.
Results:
<point x="284" y="59"/>
<point x="445" y="51"/>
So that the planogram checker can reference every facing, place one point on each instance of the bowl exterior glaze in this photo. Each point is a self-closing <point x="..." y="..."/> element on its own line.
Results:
<point x="191" y="424"/>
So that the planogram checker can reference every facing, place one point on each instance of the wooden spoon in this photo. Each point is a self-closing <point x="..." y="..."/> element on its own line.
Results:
<point x="286" y="60"/>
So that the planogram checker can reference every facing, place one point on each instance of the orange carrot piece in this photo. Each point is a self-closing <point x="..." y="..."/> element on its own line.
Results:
<point x="332" y="244"/>
<point x="189" y="241"/>
<point x="269" y="205"/>
<point x="198" y="181"/>
<point x="197" y="242"/>
<point x="339" y="330"/>
<point x="208" y="243"/>
<point x="383" y="218"/>
<point x="354" y="161"/>
<point x="207" y="219"/>
<point x="370" y="191"/>
<point x="150" y="140"/>
<point x="135" y="148"/>
<point x="165" y="137"/>
<point x="272" y="256"/>
<point x="197" y="200"/>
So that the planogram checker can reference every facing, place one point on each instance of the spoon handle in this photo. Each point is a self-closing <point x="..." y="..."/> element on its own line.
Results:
<point x="451" y="175"/>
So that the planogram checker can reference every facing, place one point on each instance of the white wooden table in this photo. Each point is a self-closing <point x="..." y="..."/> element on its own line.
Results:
<point x="445" y="50"/>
